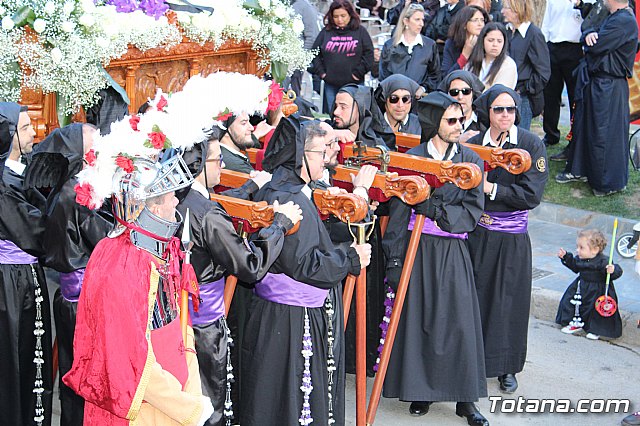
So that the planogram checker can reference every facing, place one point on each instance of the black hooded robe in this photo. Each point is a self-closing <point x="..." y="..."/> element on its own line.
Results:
<point x="600" y="144"/>
<point x="217" y="251"/>
<point x="438" y="352"/>
<point x="502" y="261"/>
<point x="22" y="227"/>
<point x="71" y="233"/>
<point x="369" y="115"/>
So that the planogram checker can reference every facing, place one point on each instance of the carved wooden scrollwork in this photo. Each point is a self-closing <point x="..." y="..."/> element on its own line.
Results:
<point x="515" y="160"/>
<point x="463" y="175"/>
<point x="346" y="207"/>
<point x="410" y="189"/>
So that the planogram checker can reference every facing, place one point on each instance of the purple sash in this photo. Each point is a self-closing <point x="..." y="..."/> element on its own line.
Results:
<point x="280" y="288"/>
<point x="508" y="222"/>
<point x="212" y="306"/>
<point x="430" y="228"/>
<point x="10" y="254"/>
<point x="71" y="284"/>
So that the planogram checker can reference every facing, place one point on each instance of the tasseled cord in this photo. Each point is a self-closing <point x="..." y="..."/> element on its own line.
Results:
<point x="228" y="405"/>
<point x="38" y="388"/>
<point x="331" y="362"/>
<point x="384" y="325"/>
<point x="577" y="301"/>
<point x="306" y="387"/>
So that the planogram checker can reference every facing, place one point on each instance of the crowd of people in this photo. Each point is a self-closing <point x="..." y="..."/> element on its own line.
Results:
<point x="128" y="350"/>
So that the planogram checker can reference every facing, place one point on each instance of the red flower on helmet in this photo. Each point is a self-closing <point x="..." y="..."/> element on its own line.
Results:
<point x="275" y="96"/>
<point x="90" y="157"/>
<point x="84" y="195"/>
<point x="133" y="121"/>
<point x="162" y="103"/>
<point x="125" y="163"/>
<point x="157" y="139"/>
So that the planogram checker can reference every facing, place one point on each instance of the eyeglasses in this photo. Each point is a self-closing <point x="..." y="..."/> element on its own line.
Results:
<point x="215" y="160"/>
<point x="324" y="153"/>
<point x="451" y="121"/>
<point x="395" y="98"/>
<point x="333" y="142"/>
<point x="455" y="92"/>
<point x="477" y="20"/>
<point x="502" y="109"/>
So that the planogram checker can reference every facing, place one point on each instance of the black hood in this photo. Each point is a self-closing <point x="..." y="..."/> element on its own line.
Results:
<point x="431" y="108"/>
<point x="56" y="159"/>
<point x="286" y="147"/>
<point x="391" y="84"/>
<point x="483" y="103"/>
<point x="9" y="115"/>
<point x="469" y="78"/>
<point x="369" y="114"/>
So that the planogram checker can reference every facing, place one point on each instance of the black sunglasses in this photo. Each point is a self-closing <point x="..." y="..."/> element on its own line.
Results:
<point x="501" y="109"/>
<point x="395" y="98"/>
<point x="455" y="92"/>
<point x="453" y="120"/>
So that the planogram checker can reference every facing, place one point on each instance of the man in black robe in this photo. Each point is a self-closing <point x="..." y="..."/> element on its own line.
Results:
<point x="465" y="88"/>
<point x="25" y="341"/>
<point x="238" y="136"/>
<point x="219" y="251"/>
<point x="500" y="246"/>
<point x="71" y="233"/>
<point x="355" y="115"/>
<point x="599" y="151"/>
<point x="395" y="96"/>
<point x="290" y="310"/>
<point x="437" y="354"/>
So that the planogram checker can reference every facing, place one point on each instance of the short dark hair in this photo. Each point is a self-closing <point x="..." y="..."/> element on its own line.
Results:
<point x="312" y="131"/>
<point x="354" y="23"/>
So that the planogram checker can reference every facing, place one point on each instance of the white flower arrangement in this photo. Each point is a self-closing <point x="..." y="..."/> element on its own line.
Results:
<point x="73" y="40"/>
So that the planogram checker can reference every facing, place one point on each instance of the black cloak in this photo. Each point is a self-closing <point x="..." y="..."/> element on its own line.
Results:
<point x="431" y="108"/>
<point x="369" y="114"/>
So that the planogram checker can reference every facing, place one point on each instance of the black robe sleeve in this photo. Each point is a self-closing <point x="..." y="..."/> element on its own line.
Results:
<point x="396" y="237"/>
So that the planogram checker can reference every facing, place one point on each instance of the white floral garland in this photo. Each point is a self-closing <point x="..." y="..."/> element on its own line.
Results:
<point x="76" y="39"/>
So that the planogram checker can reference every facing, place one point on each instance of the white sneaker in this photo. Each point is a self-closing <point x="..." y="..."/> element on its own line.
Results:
<point x="570" y="329"/>
<point x="592" y="336"/>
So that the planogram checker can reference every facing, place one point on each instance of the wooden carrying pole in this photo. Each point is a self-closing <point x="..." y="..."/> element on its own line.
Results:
<point x="395" y="318"/>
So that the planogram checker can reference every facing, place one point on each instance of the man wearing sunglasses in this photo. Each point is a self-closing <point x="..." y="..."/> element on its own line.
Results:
<point x="465" y="88"/>
<point x="500" y="246"/>
<point x="394" y="96"/>
<point x="438" y="353"/>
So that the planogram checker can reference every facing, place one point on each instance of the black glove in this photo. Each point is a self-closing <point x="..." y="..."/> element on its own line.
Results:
<point x="394" y="270"/>
<point x="426" y="208"/>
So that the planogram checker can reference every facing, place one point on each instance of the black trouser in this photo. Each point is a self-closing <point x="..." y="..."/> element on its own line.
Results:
<point x="564" y="58"/>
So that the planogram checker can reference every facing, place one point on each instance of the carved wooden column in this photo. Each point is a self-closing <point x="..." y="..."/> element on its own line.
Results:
<point x="130" y="87"/>
<point x="194" y="66"/>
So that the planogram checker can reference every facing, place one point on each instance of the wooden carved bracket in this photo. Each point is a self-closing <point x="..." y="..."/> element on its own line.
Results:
<point x="410" y="189"/>
<point x="463" y="175"/>
<point x="513" y="160"/>
<point x="346" y="207"/>
<point x="256" y="214"/>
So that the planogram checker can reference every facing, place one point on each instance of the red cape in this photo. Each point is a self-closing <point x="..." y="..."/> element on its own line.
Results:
<point x="111" y="351"/>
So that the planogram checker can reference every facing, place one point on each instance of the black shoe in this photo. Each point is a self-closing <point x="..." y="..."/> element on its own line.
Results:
<point x="631" y="419"/>
<point x="559" y="157"/>
<point x="508" y="383"/>
<point x="565" y="177"/>
<point x="604" y="194"/>
<point x="419" y="408"/>
<point x="548" y="141"/>
<point x="470" y="411"/>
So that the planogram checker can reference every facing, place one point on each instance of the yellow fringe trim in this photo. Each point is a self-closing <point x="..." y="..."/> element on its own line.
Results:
<point x="144" y="380"/>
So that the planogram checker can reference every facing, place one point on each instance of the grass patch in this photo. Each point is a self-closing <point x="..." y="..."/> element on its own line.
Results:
<point x="579" y="195"/>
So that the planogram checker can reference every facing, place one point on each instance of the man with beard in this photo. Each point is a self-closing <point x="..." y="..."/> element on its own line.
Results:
<point x="395" y="97"/>
<point x="238" y="136"/>
<point x="25" y="342"/>
<point x="465" y="88"/>
<point x="500" y="246"/>
<point x="71" y="233"/>
<point x="354" y="111"/>
<point x="219" y="251"/>
<point x="437" y="354"/>
<point x="291" y="308"/>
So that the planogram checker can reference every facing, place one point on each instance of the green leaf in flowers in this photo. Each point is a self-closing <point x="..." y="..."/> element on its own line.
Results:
<point x="23" y="16"/>
<point x="254" y="6"/>
<point x="279" y="70"/>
